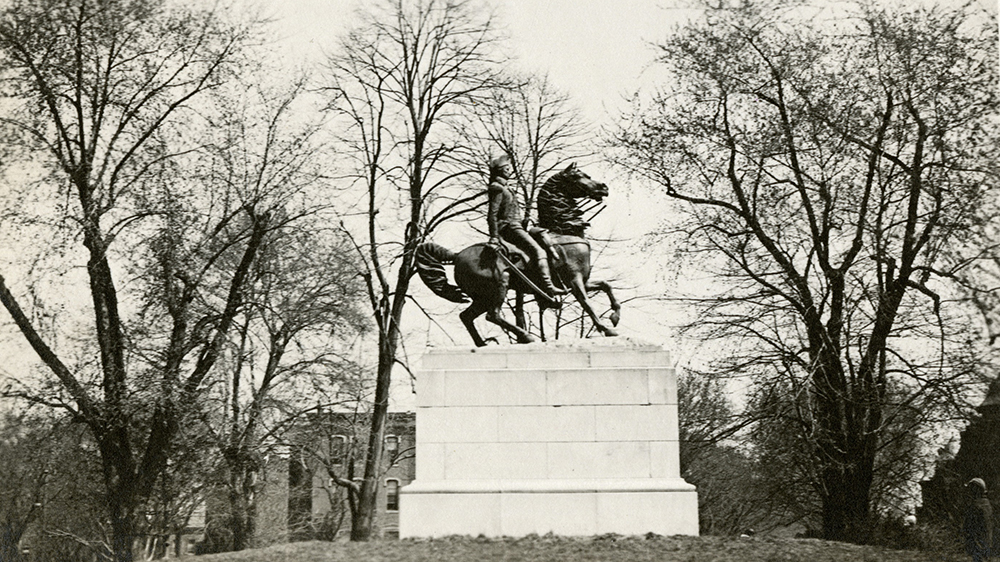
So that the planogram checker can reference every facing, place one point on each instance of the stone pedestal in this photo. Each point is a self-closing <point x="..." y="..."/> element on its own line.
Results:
<point x="576" y="438"/>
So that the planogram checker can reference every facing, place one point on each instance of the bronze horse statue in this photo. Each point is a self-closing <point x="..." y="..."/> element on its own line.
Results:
<point x="485" y="277"/>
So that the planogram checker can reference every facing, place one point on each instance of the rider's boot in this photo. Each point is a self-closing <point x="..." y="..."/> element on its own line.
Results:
<point x="546" y="278"/>
<point x="555" y="257"/>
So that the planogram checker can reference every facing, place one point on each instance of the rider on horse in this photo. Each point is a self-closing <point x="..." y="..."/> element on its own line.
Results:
<point x="505" y="221"/>
<point x="481" y="274"/>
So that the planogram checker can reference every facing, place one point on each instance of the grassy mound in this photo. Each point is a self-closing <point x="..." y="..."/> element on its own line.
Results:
<point x="594" y="549"/>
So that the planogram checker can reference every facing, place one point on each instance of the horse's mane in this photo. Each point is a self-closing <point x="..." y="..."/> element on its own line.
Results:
<point x="557" y="211"/>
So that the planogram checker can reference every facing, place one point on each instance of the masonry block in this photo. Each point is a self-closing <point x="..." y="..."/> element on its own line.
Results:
<point x="431" y="465"/>
<point x="662" y="386"/>
<point x="508" y="387"/>
<point x="649" y="422"/>
<point x="598" y="386"/>
<point x="547" y="423"/>
<point x="461" y="424"/>
<point x="598" y="459"/>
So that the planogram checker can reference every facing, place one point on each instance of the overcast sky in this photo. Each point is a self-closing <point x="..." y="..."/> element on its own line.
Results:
<point x="596" y="51"/>
<point x="593" y="49"/>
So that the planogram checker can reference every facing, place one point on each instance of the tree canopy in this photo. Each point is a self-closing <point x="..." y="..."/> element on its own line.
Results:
<point x="822" y="162"/>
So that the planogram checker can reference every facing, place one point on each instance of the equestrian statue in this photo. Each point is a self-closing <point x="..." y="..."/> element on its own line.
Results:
<point x="548" y="261"/>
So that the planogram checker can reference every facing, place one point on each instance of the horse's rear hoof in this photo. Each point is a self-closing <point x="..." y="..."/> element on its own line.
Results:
<point x="609" y="332"/>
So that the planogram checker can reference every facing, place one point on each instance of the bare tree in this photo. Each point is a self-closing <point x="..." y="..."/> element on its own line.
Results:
<point x="285" y="360"/>
<point x="27" y="458"/>
<point x="398" y="85"/>
<point x="100" y="94"/>
<point x="300" y="307"/>
<point x="706" y="415"/>
<point x="822" y="165"/>
<point x="534" y="124"/>
<point x="974" y="265"/>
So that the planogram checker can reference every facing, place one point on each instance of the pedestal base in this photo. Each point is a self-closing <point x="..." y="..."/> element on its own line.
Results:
<point x="574" y="438"/>
<point x="569" y="508"/>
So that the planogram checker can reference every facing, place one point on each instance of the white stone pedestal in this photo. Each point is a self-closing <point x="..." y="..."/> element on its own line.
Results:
<point x="575" y="438"/>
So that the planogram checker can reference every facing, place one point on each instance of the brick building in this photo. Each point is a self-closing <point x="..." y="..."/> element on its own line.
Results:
<point x="330" y="446"/>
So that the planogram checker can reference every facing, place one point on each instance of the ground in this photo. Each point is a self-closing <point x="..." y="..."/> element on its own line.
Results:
<point x="591" y="549"/>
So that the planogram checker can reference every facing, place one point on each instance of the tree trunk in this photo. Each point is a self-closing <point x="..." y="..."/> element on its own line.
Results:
<point x="238" y="520"/>
<point x="10" y="538"/>
<point x="846" y="511"/>
<point x="242" y="505"/>
<point x="850" y="493"/>
<point x="122" y="531"/>
<point x="363" y="518"/>
<point x="858" y="483"/>
<point x="832" y="456"/>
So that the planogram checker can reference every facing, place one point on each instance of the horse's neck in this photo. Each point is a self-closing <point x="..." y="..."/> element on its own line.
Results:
<point x="553" y="205"/>
<point x="558" y="212"/>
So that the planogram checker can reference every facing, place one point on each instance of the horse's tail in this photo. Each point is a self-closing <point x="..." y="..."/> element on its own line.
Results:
<point x="431" y="259"/>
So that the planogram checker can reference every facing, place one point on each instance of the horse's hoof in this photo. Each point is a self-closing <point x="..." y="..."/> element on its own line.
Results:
<point x="609" y="332"/>
<point x="615" y="317"/>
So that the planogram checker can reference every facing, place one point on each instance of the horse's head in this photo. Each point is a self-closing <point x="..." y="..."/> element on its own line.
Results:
<point x="558" y="207"/>
<point x="576" y="183"/>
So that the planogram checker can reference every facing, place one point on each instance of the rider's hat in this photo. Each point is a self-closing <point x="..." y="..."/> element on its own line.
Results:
<point x="497" y="164"/>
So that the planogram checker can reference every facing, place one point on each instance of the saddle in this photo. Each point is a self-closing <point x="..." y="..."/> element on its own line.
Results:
<point x="510" y="251"/>
<point x="555" y="252"/>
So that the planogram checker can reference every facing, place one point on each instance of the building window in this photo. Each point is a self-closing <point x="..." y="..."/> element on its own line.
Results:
<point x="300" y="480"/>
<point x="391" y="446"/>
<point x="392" y="495"/>
<point x="338" y="449"/>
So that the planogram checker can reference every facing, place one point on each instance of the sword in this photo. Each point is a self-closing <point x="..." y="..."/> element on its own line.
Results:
<point x="553" y="303"/>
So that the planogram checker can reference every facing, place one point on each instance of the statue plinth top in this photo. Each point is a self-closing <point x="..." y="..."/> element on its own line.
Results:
<point x="575" y="353"/>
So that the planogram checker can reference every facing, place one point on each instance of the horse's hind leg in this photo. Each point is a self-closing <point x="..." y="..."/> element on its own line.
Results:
<point x="541" y="322"/>
<point x="468" y="317"/>
<point x="522" y="335"/>
<point x="493" y="313"/>
<point x="519" y="316"/>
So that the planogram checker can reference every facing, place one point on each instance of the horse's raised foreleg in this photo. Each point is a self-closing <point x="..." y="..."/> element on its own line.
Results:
<point x="469" y="315"/>
<point x="579" y="290"/>
<point x="616" y="308"/>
